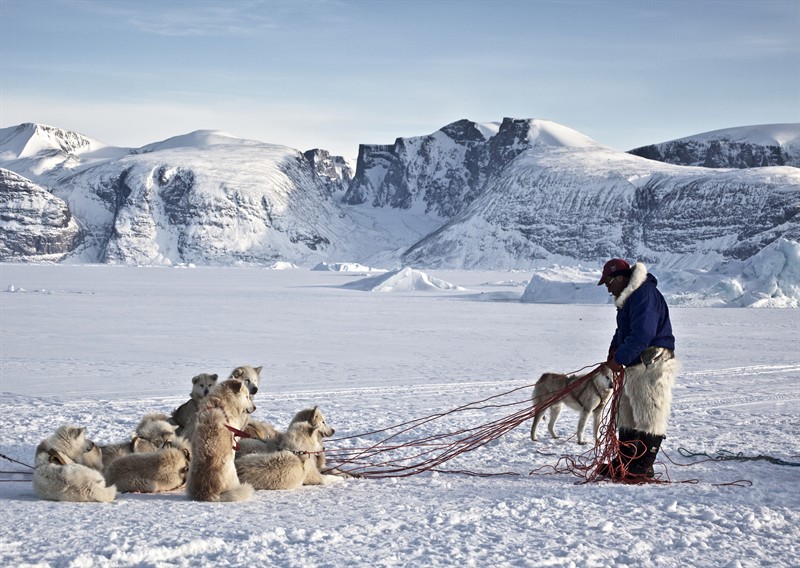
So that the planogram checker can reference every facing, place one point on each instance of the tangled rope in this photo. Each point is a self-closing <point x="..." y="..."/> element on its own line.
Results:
<point x="430" y="452"/>
<point x="587" y="466"/>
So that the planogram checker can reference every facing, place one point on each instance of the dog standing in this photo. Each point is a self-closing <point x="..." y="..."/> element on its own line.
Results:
<point x="212" y="473"/>
<point x="591" y="397"/>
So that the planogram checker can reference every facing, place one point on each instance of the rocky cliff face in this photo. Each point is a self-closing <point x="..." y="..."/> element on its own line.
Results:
<point x="334" y="171"/>
<point x="439" y="174"/>
<point x="565" y="205"/>
<point x="744" y="147"/>
<point x="216" y="205"/>
<point x="34" y="225"/>
<point x="446" y="171"/>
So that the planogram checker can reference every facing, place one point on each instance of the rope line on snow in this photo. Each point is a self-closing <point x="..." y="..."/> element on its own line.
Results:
<point x="432" y="451"/>
<point x="725" y="455"/>
<point x="26" y="480"/>
<point x="18" y="462"/>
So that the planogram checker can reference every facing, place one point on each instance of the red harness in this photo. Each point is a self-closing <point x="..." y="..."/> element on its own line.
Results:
<point x="236" y="432"/>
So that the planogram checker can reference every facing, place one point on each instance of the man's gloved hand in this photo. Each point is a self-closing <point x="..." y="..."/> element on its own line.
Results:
<point x="614" y="366"/>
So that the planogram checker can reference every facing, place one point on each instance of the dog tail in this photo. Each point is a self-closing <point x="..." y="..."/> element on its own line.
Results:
<point x="243" y="492"/>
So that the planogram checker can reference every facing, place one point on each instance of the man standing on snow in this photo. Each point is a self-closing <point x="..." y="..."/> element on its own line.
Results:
<point x="643" y="345"/>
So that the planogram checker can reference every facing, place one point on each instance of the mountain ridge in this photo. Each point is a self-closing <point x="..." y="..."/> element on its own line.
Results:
<point x="516" y="194"/>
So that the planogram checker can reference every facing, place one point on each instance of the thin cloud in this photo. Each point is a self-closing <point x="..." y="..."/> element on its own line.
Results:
<point x="190" y="19"/>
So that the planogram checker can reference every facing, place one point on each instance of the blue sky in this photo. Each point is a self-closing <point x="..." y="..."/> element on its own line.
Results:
<point x="336" y="73"/>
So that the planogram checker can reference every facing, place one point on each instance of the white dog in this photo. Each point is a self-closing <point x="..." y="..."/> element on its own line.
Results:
<point x="184" y="416"/>
<point x="67" y="468"/>
<point x="250" y="376"/>
<point x="299" y="461"/>
<point x="152" y="434"/>
<point x="591" y="397"/>
<point x="212" y="473"/>
<point x="151" y="472"/>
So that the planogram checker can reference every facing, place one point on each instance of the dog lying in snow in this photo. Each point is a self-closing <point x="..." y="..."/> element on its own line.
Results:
<point x="298" y="460"/>
<point x="68" y="468"/>
<point x="152" y="433"/>
<point x="151" y="472"/>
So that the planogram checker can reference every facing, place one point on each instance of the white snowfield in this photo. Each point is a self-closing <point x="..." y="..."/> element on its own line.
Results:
<point x="99" y="346"/>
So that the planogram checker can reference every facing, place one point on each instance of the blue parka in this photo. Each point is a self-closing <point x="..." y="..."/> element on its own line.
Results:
<point x="642" y="321"/>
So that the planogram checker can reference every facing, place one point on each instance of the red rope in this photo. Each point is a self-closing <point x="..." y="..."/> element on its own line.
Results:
<point x="437" y="449"/>
<point x="587" y="466"/>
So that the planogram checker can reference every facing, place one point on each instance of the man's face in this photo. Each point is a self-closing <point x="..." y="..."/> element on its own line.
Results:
<point x="617" y="284"/>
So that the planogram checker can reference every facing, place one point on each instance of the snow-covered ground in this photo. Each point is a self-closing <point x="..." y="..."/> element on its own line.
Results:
<point x="99" y="346"/>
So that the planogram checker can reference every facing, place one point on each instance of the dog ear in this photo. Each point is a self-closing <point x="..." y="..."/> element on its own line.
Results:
<point x="258" y="370"/>
<point x="187" y="454"/>
<point x="75" y="431"/>
<point x="237" y="372"/>
<point x="234" y="385"/>
<point x="195" y="380"/>
<point x="55" y="457"/>
<point x="214" y="377"/>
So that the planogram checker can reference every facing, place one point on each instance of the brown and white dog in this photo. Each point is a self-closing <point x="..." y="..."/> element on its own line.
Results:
<point x="212" y="473"/>
<point x="589" y="398"/>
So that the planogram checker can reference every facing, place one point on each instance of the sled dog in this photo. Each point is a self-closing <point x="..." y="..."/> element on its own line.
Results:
<point x="263" y="438"/>
<point x="184" y="416"/>
<point x="212" y="473"/>
<point x="590" y="397"/>
<point x="151" y="472"/>
<point x="299" y="461"/>
<point x="67" y="468"/>
<point x="152" y="433"/>
<point x="71" y="442"/>
<point x="156" y="429"/>
<point x="250" y="376"/>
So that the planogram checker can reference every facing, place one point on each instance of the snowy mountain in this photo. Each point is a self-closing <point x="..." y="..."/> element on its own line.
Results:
<point x="559" y="202"/>
<point x="205" y="197"/>
<point x="44" y="154"/>
<point x="520" y="194"/>
<point x="217" y="204"/>
<point x="439" y="173"/>
<point x="742" y="147"/>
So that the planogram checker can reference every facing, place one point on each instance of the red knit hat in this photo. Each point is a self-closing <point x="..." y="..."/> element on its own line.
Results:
<point x="614" y="267"/>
